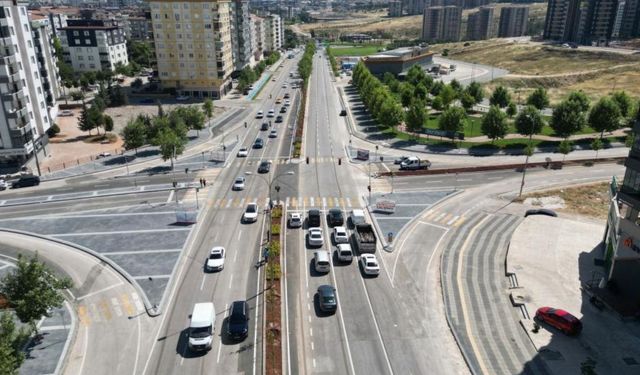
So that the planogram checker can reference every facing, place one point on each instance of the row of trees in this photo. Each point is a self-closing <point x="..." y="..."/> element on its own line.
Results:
<point x="305" y="65"/>
<point x="378" y="98"/>
<point x="333" y="62"/>
<point x="249" y="75"/>
<point x="168" y="131"/>
<point x="32" y="290"/>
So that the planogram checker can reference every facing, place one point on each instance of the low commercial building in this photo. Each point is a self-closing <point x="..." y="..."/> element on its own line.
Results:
<point x="93" y="45"/>
<point x="398" y="60"/>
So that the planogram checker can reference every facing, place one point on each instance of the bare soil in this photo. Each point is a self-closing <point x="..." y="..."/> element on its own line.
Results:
<point x="590" y="200"/>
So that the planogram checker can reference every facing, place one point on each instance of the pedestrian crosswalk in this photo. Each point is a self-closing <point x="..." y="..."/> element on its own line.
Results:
<point x="105" y="309"/>
<point x="443" y="218"/>
<point x="312" y="160"/>
<point x="290" y="202"/>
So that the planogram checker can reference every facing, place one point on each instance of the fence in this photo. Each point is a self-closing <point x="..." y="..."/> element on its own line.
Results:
<point x="48" y="167"/>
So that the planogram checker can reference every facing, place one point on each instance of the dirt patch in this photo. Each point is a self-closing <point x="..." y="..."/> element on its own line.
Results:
<point x="590" y="200"/>
<point x="273" y="296"/>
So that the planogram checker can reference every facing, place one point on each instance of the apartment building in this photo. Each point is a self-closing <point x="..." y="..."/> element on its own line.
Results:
<point x="441" y="23"/>
<point x="141" y="28"/>
<point x="42" y="34"/>
<point x="93" y="45"/>
<point x="395" y="8"/>
<point x="630" y="20"/>
<point x="600" y="21"/>
<point x="274" y="32"/>
<point x="480" y="23"/>
<point x="193" y="46"/>
<point x="24" y="115"/>
<point x="257" y="37"/>
<point x="514" y="21"/>
<point x="241" y="36"/>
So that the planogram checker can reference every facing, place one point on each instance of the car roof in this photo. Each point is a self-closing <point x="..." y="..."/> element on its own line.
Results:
<point x="340" y="229"/>
<point x="335" y="211"/>
<point x="295" y="214"/>
<point x="326" y="290"/>
<point x="314" y="211"/>
<point x="217" y="249"/>
<point x="344" y="246"/>
<point x="368" y="256"/>
<point x="237" y="307"/>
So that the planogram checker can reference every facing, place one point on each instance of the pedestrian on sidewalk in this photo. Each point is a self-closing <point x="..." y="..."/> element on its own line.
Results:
<point x="201" y="184"/>
<point x="204" y="182"/>
<point x="265" y="255"/>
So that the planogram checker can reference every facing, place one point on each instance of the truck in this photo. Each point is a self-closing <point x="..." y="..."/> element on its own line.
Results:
<point x="413" y="163"/>
<point x="365" y="238"/>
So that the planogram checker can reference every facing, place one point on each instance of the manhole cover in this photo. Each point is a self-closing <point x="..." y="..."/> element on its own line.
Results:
<point x="630" y="361"/>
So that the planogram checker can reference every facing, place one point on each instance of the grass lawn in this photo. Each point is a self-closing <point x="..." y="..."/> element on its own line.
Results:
<point x="363" y="50"/>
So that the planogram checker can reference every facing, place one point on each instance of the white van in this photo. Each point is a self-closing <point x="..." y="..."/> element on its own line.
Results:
<point x="201" y="328"/>
<point x="321" y="261"/>
<point x="344" y="252"/>
<point x="357" y="217"/>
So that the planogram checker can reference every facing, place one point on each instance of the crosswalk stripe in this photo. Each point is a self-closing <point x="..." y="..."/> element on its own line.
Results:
<point x="329" y="201"/>
<point x="286" y="202"/>
<point x="446" y="218"/>
<point x="229" y="201"/>
<point x="104" y="309"/>
<point x="95" y="314"/>
<point x="116" y="307"/>
<point x="83" y="314"/>
<point x="440" y="217"/>
<point x="128" y="307"/>
<point x="349" y="202"/>
<point x="137" y="302"/>
<point x="459" y="222"/>
<point x="341" y="201"/>
<point x="323" y="200"/>
<point x="312" y="201"/>
<point x="453" y="220"/>
<point x="242" y="202"/>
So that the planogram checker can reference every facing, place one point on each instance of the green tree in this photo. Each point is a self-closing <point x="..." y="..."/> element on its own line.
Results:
<point x="108" y="123"/>
<point x="171" y="144"/>
<point x="500" y="97"/>
<point x="33" y="290"/>
<point x="85" y="122"/>
<point x="456" y="86"/>
<point x="207" y="108"/>
<point x="420" y="93"/>
<point x="529" y="121"/>
<point x="436" y="88"/>
<point x="596" y="145"/>
<point x="99" y="103"/>
<point x="12" y="340"/>
<point x="391" y="114"/>
<point x="415" y="75"/>
<point x="134" y="135"/>
<point x="624" y="102"/>
<point x="567" y="118"/>
<point x="604" y="116"/>
<point x="452" y="119"/>
<point x="494" y="124"/>
<point x="140" y="52"/>
<point x="512" y="109"/>
<point x="539" y="98"/>
<point x="416" y="116"/>
<point x="193" y="117"/>
<point x="467" y="101"/>
<point x="565" y="148"/>
<point x="406" y="94"/>
<point x="580" y="98"/>
<point x="437" y="103"/>
<point x="475" y="90"/>
<point x="447" y="95"/>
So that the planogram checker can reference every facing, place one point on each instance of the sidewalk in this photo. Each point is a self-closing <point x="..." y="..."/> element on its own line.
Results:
<point x="550" y="258"/>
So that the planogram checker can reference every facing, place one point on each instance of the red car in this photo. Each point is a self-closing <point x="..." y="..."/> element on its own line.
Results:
<point x="559" y="319"/>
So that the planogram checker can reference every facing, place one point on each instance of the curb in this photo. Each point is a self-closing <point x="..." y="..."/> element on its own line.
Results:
<point x="152" y="311"/>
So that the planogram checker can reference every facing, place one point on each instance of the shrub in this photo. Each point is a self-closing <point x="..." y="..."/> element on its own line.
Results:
<point x="275" y="229"/>
<point x="53" y="130"/>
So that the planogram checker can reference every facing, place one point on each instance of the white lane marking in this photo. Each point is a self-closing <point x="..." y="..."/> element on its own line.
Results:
<point x="144" y="252"/>
<point x="94" y="194"/>
<point x="434" y="225"/>
<point x="239" y="234"/>
<point x="453" y="220"/>
<point x="86" y="345"/>
<point x="170" y="198"/>
<point x="226" y="309"/>
<point x="229" y="203"/>
<point x="99" y="291"/>
<point x="121" y="232"/>
<point x="314" y="363"/>
<point x="495" y="178"/>
<point x="324" y="202"/>
<point x="312" y="346"/>
<point x="231" y="281"/>
<point x="116" y="306"/>
<point x="255" y="325"/>
<point x="286" y="299"/>
<point x="349" y="202"/>
<point x="235" y="256"/>
<point x="464" y="179"/>
<point x="311" y="332"/>
<point x="137" y="302"/>
<point x="202" y="283"/>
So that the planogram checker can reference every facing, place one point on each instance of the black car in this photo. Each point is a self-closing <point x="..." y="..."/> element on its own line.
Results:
<point x="25" y="181"/>
<point x="279" y="119"/>
<point x="313" y="219"/>
<point x="264" y="167"/>
<point x="343" y="112"/>
<point x="265" y="126"/>
<point x="259" y="143"/>
<point x="238" y="323"/>
<point x="287" y="95"/>
<point x="283" y="109"/>
<point x="335" y="217"/>
<point x="541" y="211"/>
<point x="327" y="298"/>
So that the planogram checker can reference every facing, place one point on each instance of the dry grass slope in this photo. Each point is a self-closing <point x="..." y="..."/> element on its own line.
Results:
<point x="587" y="200"/>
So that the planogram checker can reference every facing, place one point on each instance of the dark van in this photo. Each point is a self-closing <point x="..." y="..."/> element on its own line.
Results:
<point x="313" y="219"/>
<point x="25" y="181"/>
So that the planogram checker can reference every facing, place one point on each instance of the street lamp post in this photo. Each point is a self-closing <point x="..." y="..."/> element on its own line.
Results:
<point x="202" y="159"/>
<point x="528" y="151"/>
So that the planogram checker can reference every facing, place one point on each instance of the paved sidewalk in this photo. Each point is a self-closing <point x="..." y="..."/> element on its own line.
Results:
<point x="551" y="258"/>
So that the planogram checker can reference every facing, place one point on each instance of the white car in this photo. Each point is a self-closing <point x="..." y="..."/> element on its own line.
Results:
<point x="260" y="114"/>
<point x="284" y="85"/>
<point x="215" y="261"/>
<point x="315" y="237"/>
<point x="369" y="264"/>
<point x="3" y="185"/>
<point x="271" y="113"/>
<point x="238" y="184"/>
<point x="243" y="152"/>
<point x="273" y="133"/>
<point x="251" y="213"/>
<point x="295" y="220"/>
<point x="340" y="235"/>
<point x="182" y="98"/>
<point x="287" y="102"/>
<point x="104" y="155"/>
<point x="66" y="113"/>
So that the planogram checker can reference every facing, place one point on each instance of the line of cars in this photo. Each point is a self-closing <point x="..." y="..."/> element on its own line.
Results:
<point x="363" y="238"/>
<point x="22" y="181"/>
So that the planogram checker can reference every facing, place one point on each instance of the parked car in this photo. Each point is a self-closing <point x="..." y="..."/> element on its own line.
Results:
<point x="243" y="152"/>
<point x="259" y="143"/>
<point x="3" y="185"/>
<point x="559" y="319"/>
<point x="182" y="98"/>
<point x="103" y="155"/>
<point x="26" y="181"/>
<point x="238" y="184"/>
<point x="400" y="159"/>
<point x="238" y="323"/>
<point x="335" y="217"/>
<point x="343" y="112"/>
<point x="541" y="211"/>
<point x="66" y="113"/>
<point x="295" y="220"/>
<point x="327" y="301"/>
<point x="314" y="238"/>
<point x="369" y="264"/>
<point x="264" y="167"/>
<point x="215" y="260"/>
<point x="340" y="235"/>
<point x="250" y="213"/>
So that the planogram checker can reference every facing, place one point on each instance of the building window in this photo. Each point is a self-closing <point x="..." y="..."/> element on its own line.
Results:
<point x="76" y="41"/>
<point x="207" y="26"/>
<point x="81" y="66"/>
<point x="33" y="60"/>
<point x="42" y="105"/>
<point x="177" y="26"/>
<point x="92" y="66"/>
<point x="90" y="58"/>
<point x="39" y="90"/>
<point x="76" y="33"/>
<point x="80" y="57"/>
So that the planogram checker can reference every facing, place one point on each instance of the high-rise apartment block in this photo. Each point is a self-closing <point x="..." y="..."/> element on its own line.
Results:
<point x="479" y="24"/>
<point x="93" y="45"/>
<point x="42" y="33"/>
<point x="416" y="6"/>
<point x="441" y="23"/>
<point x="274" y="32"/>
<point x="257" y="37"/>
<point x="514" y="21"/>
<point x="241" y="36"/>
<point x="193" y="46"/>
<point x="395" y="8"/>
<point x="24" y="113"/>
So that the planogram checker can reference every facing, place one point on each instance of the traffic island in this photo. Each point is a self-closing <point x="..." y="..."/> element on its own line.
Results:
<point x="273" y="296"/>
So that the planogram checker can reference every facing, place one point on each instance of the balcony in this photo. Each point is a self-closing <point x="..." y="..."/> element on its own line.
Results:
<point x="17" y="113"/>
<point x="10" y="77"/>
<point x="13" y="97"/>
<point x="8" y="60"/>
<point x="7" y="49"/>
<point x="5" y="22"/>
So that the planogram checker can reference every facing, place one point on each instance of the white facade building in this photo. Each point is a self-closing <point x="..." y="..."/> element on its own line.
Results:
<point x="42" y="33"/>
<point x="24" y="116"/>
<point x="274" y="32"/>
<point x="258" y="37"/>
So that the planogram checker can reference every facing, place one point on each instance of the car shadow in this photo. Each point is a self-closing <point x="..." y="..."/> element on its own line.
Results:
<point x="182" y="347"/>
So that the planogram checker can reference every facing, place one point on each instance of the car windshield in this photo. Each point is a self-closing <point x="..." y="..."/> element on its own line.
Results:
<point x="329" y="299"/>
<point x="215" y="256"/>
<point x="237" y="319"/>
<point x="372" y="264"/>
<point x="200" y="332"/>
<point x="251" y="209"/>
